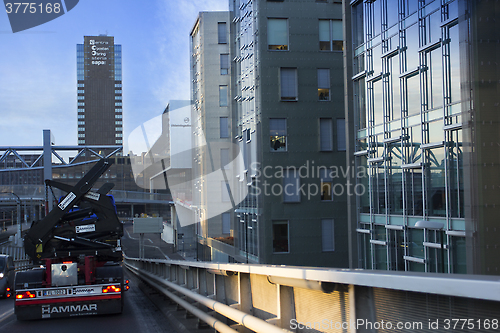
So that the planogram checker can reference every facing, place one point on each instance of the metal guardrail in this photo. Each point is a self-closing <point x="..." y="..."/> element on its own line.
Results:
<point x="285" y="298"/>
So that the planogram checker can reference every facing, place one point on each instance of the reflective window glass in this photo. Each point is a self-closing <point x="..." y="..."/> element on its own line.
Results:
<point x="455" y="173"/>
<point x="413" y="95"/>
<point x="412" y="47"/>
<point x="378" y="111"/>
<point x="435" y="182"/>
<point x="360" y="103"/>
<point x="454" y="64"/>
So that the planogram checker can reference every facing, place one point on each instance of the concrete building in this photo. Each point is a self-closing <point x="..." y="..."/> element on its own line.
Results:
<point x="213" y="132"/>
<point x="99" y="83"/>
<point x="287" y="120"/>
<point x="422" y="110"/>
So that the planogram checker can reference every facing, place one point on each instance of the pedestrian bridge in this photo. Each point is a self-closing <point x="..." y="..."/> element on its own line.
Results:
<point x="264" y="298"/>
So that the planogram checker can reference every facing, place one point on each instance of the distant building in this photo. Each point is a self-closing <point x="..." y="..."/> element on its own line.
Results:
<point x="422" y="93"/>
<point x="99" y="94"/>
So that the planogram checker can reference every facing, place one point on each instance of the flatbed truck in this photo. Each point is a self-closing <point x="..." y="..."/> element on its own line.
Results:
<point x="77" y="255"/>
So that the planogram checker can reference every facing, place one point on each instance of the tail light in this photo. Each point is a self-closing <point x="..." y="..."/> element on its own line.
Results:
<point x="126" y="285"/>
<point x="111" y="289"/>
<point x="25" y="294"/>
<point x="8" y="292"/>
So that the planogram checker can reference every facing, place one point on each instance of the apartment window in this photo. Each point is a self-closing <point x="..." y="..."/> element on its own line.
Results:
<point x="324" y="84"/>
<point x="118" y="110"/>
<point x="341" y="143"/>
<point x="118" y="85"/>
<point x="327" y="235"/>
<point x="277" y="134"/>
<point x="81" y="103"/>
<point x="225" y="192"/>
<point x="81" y="135"/>
<point x="119" y="135"/>
<point x="119" y="141"/>
<point x="277" y="34"/>
<point x="288" y="83"/>
<point x="326" y="184"/>
<point x="118" y="104"/>
<point x="81" y="142"/>
<point x="226" y="223"/>
<point x="331" y="35"/>
<point x="325" y="134"/>
<point x="118" y="122"/>
<point x="222" y="32"/>
<point x="222" y="95"/>
<point x="118" y="129"/>
<point x="81" y="85"/>
<point x="291" y="186"/>
<point x="81" y="91"/>
<point x="118" y="116"/>
<point x="118" y="97"/>
<point x="81" y="123"/>
<point x="224" y="158"/>
<point x="224" y="64"/>
<point x="280" y="237"/>
<point x="224" y="127"/>
<point x="81" y="116"/>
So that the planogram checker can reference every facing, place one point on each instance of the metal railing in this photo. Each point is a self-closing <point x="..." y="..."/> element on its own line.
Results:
<point x="264" y="298"/>
<point x="21" y="261"/>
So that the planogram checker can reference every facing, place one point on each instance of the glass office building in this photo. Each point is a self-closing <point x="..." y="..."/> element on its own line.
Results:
<point x="416" y="118"/>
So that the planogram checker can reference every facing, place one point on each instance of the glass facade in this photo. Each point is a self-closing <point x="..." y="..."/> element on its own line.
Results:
<point x="406" y="86"/>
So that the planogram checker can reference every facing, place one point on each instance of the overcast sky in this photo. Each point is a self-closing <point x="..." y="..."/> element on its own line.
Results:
<point x="38" y="66"/>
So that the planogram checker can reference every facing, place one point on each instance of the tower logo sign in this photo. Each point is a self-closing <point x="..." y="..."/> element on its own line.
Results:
<point x="99" y="51"/>
<point x="26" y="15"/>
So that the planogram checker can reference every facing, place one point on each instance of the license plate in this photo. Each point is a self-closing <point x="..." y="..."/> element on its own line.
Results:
<point x="54" y="292"/>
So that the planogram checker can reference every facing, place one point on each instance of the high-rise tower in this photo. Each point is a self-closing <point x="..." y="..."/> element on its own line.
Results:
<point x="99" y="79"/>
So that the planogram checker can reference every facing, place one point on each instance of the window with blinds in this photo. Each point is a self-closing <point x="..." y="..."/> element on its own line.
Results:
<point x="327" y="235"/>
<point x="226" y="223"/>
<point x="325" y="132"/>
<point x="324" y="84"/>
<point x="224" y="64"/>
<point x="341" y="143"/>
<point x="331" y="35"/>
<point x="291" y="186"/>
<point x="326" y="184"/>
<point x="222" y="95"/>
<point x="224" y="158"/>
<point x="277" y="134"/>
<point x="224" y="127"/>
<point x="221" y="31"/>
<point x="225" y="191"/>
<point x="277" y="34"/>
<point x="288" y="84"/>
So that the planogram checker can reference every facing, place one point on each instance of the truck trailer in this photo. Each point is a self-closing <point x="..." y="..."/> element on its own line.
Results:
<point x="76" y="253"/>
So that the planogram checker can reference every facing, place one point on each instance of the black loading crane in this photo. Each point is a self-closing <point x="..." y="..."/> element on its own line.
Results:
<point x="83" y="223"/>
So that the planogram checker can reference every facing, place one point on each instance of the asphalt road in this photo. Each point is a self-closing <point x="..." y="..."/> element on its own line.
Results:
<point x="139" y="315"/>
<point x="154" y="247"/>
